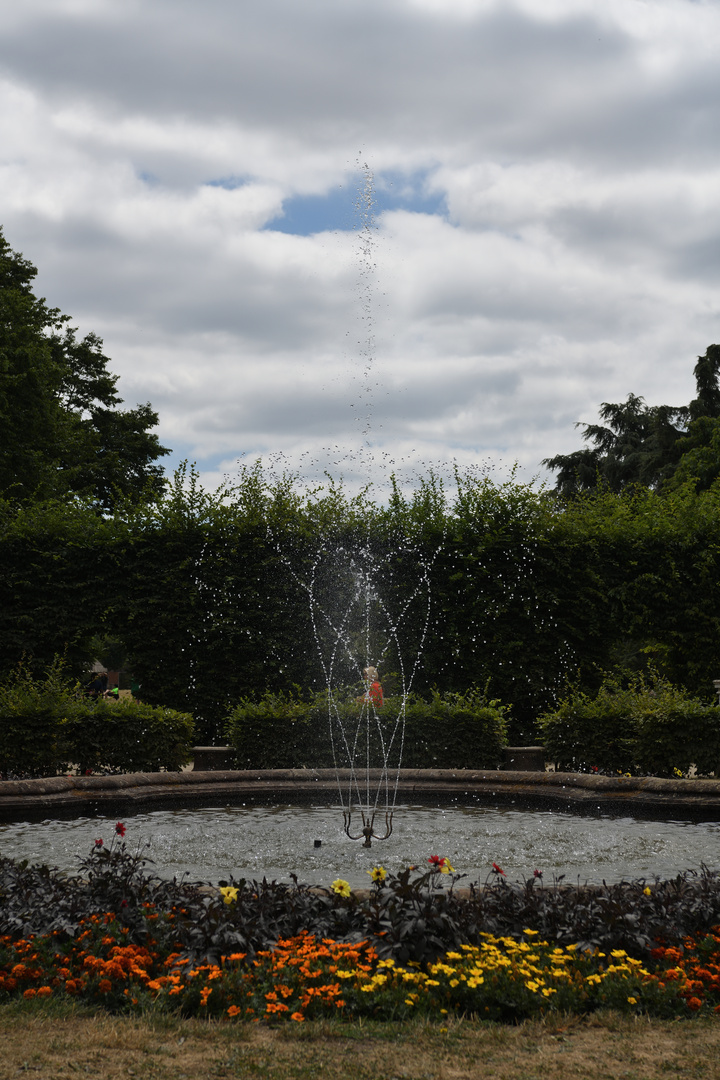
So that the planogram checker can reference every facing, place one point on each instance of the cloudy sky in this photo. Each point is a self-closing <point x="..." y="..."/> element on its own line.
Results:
<point x="188" y="178"/>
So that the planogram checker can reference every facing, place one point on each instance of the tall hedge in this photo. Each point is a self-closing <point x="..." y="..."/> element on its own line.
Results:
<point x="208" y="591"/>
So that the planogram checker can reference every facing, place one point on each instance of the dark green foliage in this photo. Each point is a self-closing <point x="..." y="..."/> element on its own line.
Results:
<point x="47" y="727"/>
<point x="408" y="917"/>
<point x="655" y="446"/>
<point x="32" y="718"/>
<point x="644" y="727"/>
<point x="206" y="591"/>
<point x="61" y="432"/>
<point x="448" y="731"/>
<point x="208" y="609"/>
<point x="128" y="736"/>
<point x="60" y="567"/>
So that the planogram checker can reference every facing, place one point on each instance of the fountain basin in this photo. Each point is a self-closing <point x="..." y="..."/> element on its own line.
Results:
<point x="64" y="796"/>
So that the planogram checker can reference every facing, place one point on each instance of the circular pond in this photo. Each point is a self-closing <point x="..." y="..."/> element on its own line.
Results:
<point x="250" y="841"/>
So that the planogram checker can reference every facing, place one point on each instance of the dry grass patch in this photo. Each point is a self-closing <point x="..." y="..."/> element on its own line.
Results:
<point x="46" y="1045"/>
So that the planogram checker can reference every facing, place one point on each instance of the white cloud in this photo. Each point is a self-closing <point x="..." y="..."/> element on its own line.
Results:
<point x="145" y="149"/>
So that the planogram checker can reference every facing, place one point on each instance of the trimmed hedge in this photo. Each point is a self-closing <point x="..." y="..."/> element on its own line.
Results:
<point x="129" y="736"/>
<point x="448" y="731"/>
<point x="648" y="728"/>
<point x="47" y="728"/>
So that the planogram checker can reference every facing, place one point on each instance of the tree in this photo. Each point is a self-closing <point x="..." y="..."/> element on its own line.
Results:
<point x="61" y="431"/>
<point x="653" y="446"/>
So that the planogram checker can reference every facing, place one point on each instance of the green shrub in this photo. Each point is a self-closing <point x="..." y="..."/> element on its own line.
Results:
<point x="448" y="731"/>
<point x="674" y="731"/>
<point x="46" y="727"/>
<point x="649" y="727"/>
<point x="32" y="714"/>
<point x="128" y="736"/>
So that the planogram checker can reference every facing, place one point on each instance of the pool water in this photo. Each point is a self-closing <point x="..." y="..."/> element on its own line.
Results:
<point x="249" y="841"/>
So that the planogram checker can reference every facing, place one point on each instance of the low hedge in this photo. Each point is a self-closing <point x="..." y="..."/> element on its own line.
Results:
<point x="48" y="727"/>
<point x="446" y="731"/>
<point x="651" y="728"/>
<point x="128" y="736"/>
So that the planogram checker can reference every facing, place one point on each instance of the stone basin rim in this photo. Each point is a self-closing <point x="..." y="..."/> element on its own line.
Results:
<point x="666" y="796"/>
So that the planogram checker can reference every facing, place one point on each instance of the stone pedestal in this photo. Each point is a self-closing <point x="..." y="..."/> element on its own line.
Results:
<point x="525" y="758"/>
<point x="213" y="758"/>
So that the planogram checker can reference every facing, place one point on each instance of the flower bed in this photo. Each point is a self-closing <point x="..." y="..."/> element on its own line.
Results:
<point x="307" y="978"/>
<point x="124" y="940"/>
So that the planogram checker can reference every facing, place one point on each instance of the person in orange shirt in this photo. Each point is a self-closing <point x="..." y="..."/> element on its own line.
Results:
<point x="374" y="692"/>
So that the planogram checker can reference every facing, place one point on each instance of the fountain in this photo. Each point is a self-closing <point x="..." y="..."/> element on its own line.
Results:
<point x="359" y="616"/>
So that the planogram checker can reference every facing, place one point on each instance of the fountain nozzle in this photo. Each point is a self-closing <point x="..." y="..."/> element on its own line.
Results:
<point x="368" y="827"/>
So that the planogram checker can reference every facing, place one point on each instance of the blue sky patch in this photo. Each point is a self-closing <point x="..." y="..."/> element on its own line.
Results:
<point x="304" y="215"/>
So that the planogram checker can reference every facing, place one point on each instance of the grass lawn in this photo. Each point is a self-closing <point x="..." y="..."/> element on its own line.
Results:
<point x="43" y="1041"/>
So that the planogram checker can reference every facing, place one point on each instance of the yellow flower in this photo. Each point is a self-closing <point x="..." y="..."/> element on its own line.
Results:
<point x="229" y="894"/>
<point x="647" y="891"/>
<point x="378" y="874"/>
<point x="632" y="1001"/>
<point x="342" y="888"/>
<point x="446" y="868"/>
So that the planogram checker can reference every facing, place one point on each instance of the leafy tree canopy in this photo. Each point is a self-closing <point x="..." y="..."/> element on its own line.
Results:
<point x="655" y="446"/>
<point x="61" y="431"/>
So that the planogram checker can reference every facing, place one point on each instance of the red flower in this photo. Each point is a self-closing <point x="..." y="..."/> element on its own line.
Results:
<point x="435" y="860"/>
<point x="537" y="873"/>
<point x="99" y="843"/>
<point x="120" y="829"/>
<point x="594" y="768"/>
<point x="496" y="870"/>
